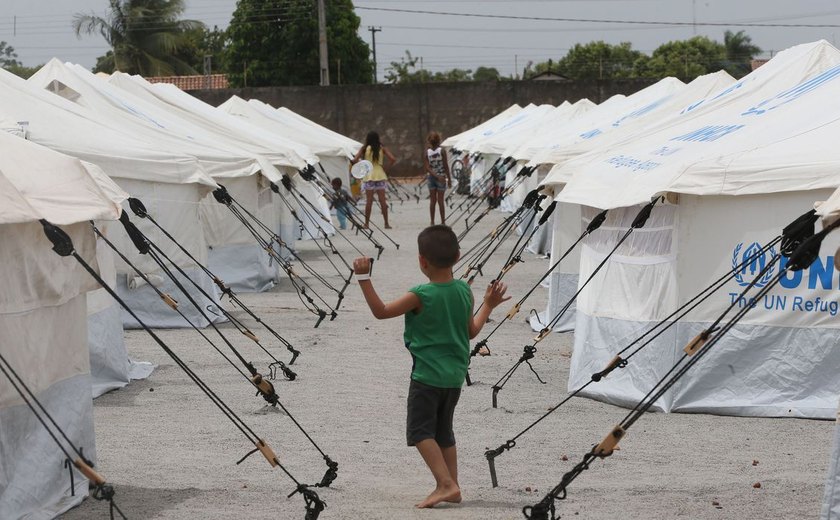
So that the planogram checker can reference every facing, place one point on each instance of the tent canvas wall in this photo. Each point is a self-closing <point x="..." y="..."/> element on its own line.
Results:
<point x="775" y="362"/>
<point x="216" y="154"/>
<point x="110" y="366"/>
<point x="760" y="159"/>
<point x="43" y="332"/>
<point x="169" y="182"/>
<point x="286" y="155"/>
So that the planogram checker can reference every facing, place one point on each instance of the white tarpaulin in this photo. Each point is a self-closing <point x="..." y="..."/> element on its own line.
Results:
<point x="284" y="153"/>
<point x="605" y="117"/>
<point x="135" y="156"/>
<point x="612" y="122"/>
<point x="43" y="333"/>
<point x="330" y="150"/>
<point x="525" y="146"/>
<point x="519" y="146"/>
<point x="457" y="141"/>
<point x="746" y="163"/>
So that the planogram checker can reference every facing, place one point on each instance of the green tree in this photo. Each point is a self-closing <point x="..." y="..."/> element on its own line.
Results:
<point x="486" y="74"/>
<point x="685" y="59"/>
<point x="23" y="71"/>
<point x="147" y="37"/>
<point x="206" y="42"/>
<point x="739" y="53"/>
<point x="406" y="71"/>
<point x="275" y="42"/>
<point x="8" y="56"/>
<point x="105" y="63"/>
<point x="8" y="61"/>
<point x="601" y="60"/>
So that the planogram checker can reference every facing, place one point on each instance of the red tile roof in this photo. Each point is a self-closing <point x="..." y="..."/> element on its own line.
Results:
<point x="213" y="81"/>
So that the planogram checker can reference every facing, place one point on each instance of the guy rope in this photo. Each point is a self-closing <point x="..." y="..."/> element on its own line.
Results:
<point x="530" y="350"/>
<point x="803" y="255"/>
<point x="63" y="246"/>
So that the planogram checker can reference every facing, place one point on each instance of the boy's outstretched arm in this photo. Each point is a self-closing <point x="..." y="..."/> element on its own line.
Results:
<point x="382" y="311"/>
<point x="493" y="296"/>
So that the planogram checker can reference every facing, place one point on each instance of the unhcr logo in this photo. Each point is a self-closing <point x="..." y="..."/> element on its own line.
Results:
<point x="754" y="261"/>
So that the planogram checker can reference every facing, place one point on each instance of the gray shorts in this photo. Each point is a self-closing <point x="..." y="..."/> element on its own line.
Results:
<point x="430" y="412"/>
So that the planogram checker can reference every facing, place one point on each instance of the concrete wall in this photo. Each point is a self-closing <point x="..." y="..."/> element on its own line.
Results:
<point x="404" y="114"/>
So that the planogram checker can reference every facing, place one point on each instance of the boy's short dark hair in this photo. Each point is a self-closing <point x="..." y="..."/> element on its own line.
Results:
<point x="336" y="180"/>
<point x="439" y="245"/>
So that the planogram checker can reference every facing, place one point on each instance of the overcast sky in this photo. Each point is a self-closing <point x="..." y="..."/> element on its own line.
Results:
<point x="43" y="27"/>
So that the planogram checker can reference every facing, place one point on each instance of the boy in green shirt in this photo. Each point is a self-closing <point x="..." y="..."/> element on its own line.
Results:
<point x="438" y="326"/>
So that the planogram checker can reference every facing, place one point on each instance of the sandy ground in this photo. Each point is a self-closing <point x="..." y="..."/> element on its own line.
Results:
<point x="171" y="454"/>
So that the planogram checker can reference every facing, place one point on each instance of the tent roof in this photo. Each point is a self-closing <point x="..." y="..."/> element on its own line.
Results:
<point x="524" y="147"/>
<point x="522" y="118"/>
<point x="517" y="129"/>
<point x="602" y="118"/>
<point x="772" y="131"/>
<point x="280" y="150"/>
<point x="321" y="143"/>
<point x="110" y="105"/>
<point x="63" y="126"/>
<point x="36" y="183"/>
<point x="456" y="140"/>
<point x="290" y="114"/>
<point x="626" y="124"/>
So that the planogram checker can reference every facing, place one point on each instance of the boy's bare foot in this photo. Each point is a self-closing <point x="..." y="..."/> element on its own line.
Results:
<point x="451" y="494"/>
<point x="388" y="227"/>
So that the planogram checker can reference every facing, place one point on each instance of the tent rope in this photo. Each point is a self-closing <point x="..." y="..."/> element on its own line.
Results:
<point x="63" y="246"/>
<point x="530" y="350"/>
<point x="299" y="284"/>
<point x="102" y="490"/>
<point x="802" y="256"/>
<point x="140" y="210"/>
<point x="618" y="362"/>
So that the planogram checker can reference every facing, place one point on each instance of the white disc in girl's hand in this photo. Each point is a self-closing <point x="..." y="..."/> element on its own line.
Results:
<point x="361" y="169"/>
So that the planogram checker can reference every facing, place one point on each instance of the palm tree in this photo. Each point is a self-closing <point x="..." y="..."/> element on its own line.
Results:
<point x="146" y="36"/>
<point x="739" y="52"/>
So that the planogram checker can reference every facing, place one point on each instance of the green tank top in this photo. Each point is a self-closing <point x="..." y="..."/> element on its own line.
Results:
<point x="438" y="337"/>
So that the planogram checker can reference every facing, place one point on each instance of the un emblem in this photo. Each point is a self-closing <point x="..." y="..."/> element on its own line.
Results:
<point x="754" y="261"/>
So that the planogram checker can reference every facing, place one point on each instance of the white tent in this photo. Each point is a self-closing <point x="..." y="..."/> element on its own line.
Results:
<point x="763" y="143"/>
<point x="334" y="153"/>
<point x="287" y="155"/>
<point x="605" y="117"/>
<point x="43" y="333"/>
<point x="518" y="146"/>
<point x="459" y="141"/>
<point x="171" y="183"/>
<point x="245" y="266"/>
<point x="607" y="125"/>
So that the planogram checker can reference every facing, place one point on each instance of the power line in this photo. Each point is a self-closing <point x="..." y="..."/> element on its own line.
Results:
<point x="596" y="20"/>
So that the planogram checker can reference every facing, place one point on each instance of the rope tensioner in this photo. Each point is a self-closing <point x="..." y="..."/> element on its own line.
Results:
<point x="63" y="245"/>
<point x="802" y="253"/>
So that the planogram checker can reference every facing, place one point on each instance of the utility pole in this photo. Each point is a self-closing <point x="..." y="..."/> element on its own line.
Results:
<point x="694" y="17"/>
<point x="322" y="44"/>
<point x="373" y="30"/>
<point x="208" y="61"/>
